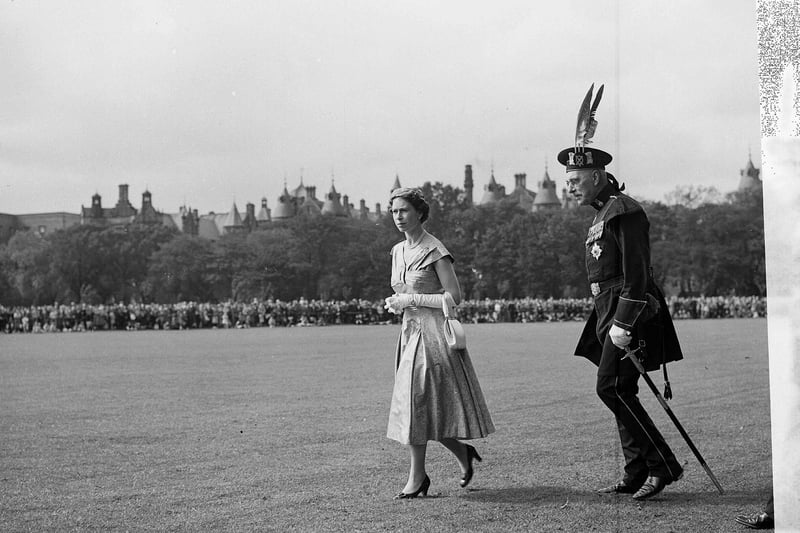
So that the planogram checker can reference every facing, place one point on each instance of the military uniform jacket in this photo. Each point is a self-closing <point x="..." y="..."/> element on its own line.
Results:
<point x="620" y="276"/>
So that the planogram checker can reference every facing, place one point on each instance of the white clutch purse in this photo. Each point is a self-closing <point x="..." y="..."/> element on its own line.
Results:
<point x="453" y="330"/>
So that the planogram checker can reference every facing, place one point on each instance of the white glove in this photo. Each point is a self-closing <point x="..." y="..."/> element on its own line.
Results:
<point x="397" y="302"/>
<point x="620" y="337"/>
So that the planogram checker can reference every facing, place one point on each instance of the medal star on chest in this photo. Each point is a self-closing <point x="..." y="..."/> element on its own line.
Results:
<point x="595" y="250"/>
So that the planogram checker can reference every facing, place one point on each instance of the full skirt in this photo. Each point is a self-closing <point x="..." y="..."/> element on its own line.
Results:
<point x="436" y="391"/>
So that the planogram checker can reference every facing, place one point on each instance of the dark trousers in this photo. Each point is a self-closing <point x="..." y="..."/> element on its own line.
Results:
<point x="645" y="450"/>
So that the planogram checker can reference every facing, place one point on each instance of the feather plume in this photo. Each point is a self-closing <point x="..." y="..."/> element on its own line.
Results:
<point x="587" y="124"/>
<point x="592" y="122"/>
<point x="583" y="119"/>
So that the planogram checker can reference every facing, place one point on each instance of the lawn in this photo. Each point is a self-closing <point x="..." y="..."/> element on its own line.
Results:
<point x="284" y="430"/>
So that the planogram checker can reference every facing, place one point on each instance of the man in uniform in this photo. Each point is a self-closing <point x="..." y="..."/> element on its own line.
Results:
<point x="629" y="311"/>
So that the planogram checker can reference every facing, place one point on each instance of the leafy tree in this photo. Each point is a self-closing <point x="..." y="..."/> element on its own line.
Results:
<point x="180" y="271"/>
<point x="25" y="261"/>
<point x="126" y="252"/>
<point x="732" y="249"/>
<point x="443" y="200"/>
<point x="693" y="196"/>
<point x="500" y="251"/>
<point x="562" y="233"/>
<point x="322" y="257"/>
<point x="76" y="260"/>
<point x="362" y="266"/>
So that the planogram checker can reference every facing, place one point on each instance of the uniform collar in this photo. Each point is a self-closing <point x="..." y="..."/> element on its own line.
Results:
<point x="602" y="197"/>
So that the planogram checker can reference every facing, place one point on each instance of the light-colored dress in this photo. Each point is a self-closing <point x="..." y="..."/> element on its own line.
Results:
<point x="436" y="391"/>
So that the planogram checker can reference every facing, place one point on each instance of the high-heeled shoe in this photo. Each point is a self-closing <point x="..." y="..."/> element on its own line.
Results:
<point x="423" y="489"/>
<point x="471" y="454"/>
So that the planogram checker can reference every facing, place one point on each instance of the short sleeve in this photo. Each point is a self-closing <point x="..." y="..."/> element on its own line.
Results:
<point x="436" y="251"/>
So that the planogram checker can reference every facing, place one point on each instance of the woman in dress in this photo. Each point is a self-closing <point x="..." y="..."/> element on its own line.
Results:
<point x="436" y="392"/>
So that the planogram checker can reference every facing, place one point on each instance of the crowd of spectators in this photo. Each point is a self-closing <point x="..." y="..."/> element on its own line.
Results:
<point x="302" y="312"/>
<point x="718" y="307"/>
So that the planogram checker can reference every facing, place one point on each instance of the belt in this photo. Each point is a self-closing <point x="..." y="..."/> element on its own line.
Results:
<point x="599" y="286"/>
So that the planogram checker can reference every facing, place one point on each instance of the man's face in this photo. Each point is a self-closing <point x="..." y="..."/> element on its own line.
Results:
<point x="583" y="185"/>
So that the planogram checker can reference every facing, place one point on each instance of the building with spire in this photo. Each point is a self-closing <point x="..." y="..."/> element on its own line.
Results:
<point x="493" y="192"/>
<point x="546" y="197"/>
<point x="749" y="176"/>
<point x="287" y="205"/>
<point x="333" y="206"/>
<point x="300" y="201"/>
<point x="264" y="215"/>
<point x="232" y="223"/>
<point x="148" y="214"/>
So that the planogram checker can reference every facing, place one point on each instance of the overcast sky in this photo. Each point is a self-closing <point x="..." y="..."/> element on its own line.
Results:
<point x="204" y="104"/>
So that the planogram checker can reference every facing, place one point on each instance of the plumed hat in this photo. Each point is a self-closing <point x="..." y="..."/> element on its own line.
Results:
<point x="578" y="157"/>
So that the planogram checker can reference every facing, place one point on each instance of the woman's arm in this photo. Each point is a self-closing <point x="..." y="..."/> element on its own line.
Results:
<point x="447" y="276"/>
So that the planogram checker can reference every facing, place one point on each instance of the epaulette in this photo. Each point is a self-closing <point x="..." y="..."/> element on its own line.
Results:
<point x="621" y="204"/>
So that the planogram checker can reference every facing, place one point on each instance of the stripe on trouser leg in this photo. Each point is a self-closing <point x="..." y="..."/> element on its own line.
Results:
<point x="641" y="425"/>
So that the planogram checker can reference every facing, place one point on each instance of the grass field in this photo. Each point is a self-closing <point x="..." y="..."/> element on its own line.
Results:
<point x="283" y="429"/>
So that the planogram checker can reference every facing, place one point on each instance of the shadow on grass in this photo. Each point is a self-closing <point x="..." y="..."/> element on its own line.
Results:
<point x="561" y="496"/>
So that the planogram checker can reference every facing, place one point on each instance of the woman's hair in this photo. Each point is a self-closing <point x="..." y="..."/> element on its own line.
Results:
<point x="415" y="198"/>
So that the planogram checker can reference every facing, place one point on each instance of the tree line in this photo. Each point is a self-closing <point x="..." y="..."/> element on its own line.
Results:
<point x="698" y="248"/>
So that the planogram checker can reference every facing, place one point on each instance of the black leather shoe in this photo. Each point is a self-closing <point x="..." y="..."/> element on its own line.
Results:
<point x="756" y="521"/>
<point x="620" y="487"/>
<point x="655" y="484"/>
<point x="651" y="487"/>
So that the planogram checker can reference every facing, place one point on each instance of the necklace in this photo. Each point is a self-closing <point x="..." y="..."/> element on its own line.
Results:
<point x="411" y="245"/>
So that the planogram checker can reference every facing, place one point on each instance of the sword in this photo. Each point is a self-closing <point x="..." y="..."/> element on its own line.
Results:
<point x="631" y="354"/>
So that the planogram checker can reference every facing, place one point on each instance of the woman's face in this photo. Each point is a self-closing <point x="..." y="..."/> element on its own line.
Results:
<point x="405" y="217"/>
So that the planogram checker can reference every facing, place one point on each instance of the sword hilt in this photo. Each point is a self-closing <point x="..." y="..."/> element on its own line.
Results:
<point x="637" y="362"/>
<point x="631" y="354"/>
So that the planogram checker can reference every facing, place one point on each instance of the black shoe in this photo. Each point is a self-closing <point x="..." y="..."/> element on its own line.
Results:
<point x="426" y="483"/>
<point x="655" y="484"/>
<point x="651" y="487"/>
<point x="621" y="487"/>
<point x="756" y="521"/>
<point x="471" y="454"/>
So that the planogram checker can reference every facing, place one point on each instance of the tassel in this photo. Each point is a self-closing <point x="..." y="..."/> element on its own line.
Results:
<point x="667" y="391"/>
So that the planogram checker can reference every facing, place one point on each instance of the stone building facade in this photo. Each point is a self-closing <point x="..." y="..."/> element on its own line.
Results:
<point x="298" y="202"/>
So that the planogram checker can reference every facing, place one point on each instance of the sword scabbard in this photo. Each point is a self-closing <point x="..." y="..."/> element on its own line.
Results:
<point x="634" y="358"/>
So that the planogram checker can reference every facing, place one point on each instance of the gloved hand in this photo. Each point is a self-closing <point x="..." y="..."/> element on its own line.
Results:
<point x="620" y="337"/>
<point x="397" y="302"/>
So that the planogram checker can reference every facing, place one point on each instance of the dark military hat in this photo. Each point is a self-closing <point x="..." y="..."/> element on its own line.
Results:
<point x="587" y="158"/>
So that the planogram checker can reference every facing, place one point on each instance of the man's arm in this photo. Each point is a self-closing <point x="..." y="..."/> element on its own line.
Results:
<point x="633" y="239"/>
